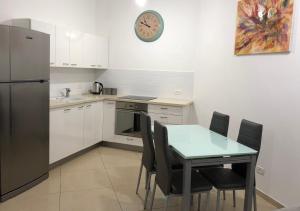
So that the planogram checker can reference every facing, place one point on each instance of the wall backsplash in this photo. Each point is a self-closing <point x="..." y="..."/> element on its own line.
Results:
<point x="149" y="83"/>
<point x="78" y="80"/>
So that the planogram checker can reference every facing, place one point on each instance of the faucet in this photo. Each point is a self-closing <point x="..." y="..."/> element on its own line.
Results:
<point x="67" y="92"/>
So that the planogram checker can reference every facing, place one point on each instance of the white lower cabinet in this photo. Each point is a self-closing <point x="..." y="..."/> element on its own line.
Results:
<point x="93" y="124"/>
<point x="73" y="129"/>
<point x="109" y="115"/>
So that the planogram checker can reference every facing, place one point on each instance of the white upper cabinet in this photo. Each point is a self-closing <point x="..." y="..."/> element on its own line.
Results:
<point x="76" y="49"/>
<point x="70" y="48"/>
<point x="48" y="29"/>
<point x="90" y="51"/>
<point x="62" y="47"/>
<point x="102" y="53"/>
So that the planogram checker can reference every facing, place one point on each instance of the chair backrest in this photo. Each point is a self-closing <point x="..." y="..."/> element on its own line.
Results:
<point x="148" y="151"/>
<point x="164" y="170"/>
<point x="250" y="135"/>
<point x="220" y="123"/>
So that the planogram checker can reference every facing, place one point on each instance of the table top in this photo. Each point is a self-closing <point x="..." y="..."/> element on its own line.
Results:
<point x="194" y="141"/>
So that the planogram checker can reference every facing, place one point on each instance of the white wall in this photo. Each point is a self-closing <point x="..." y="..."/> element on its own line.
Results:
<point x="163" y="84"/>
<point x="262" y="88"/>
<point x="174" y="51"/>
<point x="78" y="14"/>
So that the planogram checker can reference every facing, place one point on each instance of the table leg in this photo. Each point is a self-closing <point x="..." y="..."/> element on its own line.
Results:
<point x="249" y="184"/>
<point x="187" y="171"/>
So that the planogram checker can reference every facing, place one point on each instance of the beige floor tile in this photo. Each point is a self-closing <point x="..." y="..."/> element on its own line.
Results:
<point x="125" y="176"/>
<point x="89" y="161"/>
<point x="105" y="179"/>
<point x="25" y="202"/>
<point x="49" y="186"/>
<point x="84" y="180"/>
<point x="90" y="200"/>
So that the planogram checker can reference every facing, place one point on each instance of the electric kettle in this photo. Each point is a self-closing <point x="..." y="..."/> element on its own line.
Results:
<point x="97" y="88"/>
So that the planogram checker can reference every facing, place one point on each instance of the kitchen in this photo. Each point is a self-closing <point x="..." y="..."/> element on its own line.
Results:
<point x="103" y="74"/>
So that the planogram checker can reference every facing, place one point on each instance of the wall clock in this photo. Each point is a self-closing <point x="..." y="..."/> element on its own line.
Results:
<point x="149" y="26"/>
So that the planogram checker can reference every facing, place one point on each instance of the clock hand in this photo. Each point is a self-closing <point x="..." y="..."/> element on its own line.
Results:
<point x="145" y="24"/>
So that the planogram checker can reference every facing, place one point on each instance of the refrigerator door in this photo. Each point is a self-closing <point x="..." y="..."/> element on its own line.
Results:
<point x="4" y="54"/>
<point x="25" y="157"/>
<point x="30" y="55"/>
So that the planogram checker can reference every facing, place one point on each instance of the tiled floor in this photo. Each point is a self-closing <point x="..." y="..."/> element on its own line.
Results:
<point x="104" y="179"/>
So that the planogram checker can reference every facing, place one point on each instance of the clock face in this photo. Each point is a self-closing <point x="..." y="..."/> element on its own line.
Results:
<point x="149" y="26"/>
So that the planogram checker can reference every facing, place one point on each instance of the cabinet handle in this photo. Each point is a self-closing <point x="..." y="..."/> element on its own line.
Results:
<point x="88" y="106"/>
<point x="66" y="64"/>
<point x="52" y="63"/>
<point x="164" y="117"/>
<point x="73" y="64"/>
<point x="129" y="139"/>
<point x="67" y="110"/>
<point x="162" y="108"/>
<point x="93" y="65"/>
<point x="80" y="107"/>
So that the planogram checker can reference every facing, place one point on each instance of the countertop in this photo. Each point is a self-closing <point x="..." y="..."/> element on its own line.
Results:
<point x="82" y="99"/>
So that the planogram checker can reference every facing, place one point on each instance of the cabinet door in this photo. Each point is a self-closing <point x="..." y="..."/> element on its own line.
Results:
<point x="102" y="53"/>
<point x="48" y="29"/>
<point x="109" y="113"/>
<point x="62" y="47"/>
<point x="66" y="132"/>
<point x="76" y="49"/>
<point x="93" y="124"/>
<point x="90" y="51"/>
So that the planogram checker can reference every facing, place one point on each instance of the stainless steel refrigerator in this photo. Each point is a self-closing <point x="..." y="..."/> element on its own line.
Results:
<point x="24" y="109"/>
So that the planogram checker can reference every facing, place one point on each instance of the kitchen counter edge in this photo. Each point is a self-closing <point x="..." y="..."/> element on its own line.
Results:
<point x="55" y="104"/>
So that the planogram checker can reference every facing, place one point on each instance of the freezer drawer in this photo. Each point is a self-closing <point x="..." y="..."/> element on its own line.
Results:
<point x="25" y="154"/>
<point x="4" y="54"/>
<point x="30" y="55"/>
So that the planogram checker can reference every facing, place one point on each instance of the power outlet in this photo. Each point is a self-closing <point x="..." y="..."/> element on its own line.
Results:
<point x="178" y="92"/>
<point x="260" y="170"/>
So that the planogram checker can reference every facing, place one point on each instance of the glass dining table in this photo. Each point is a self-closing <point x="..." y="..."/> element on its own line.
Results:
<point x="197" y="146"/>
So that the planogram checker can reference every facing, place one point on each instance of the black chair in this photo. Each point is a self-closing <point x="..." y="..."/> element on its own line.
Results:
<point x="250" y="135"/>
<point x="169" y="180"/>
<point x="220" y="123"/>
<point x="148" y="158"/>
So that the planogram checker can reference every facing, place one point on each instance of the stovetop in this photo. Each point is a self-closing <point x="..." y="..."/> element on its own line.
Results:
<point x="133" y="97"/>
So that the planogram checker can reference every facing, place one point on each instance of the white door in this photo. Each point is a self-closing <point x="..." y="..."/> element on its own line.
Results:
<point x="48" y="29"/>
<point x="76" y="49"/>
<point x="102" y="53"/>
<point x="90" y="51"/>
<point x="62" y="47"/>
<point x="93" y="124"/>
<point x="109" y="114"/>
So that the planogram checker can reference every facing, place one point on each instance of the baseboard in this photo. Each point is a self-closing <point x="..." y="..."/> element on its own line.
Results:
<point x="122" y="146"/>
<point x="71" y="157"/>
<point x="269" y="199"/>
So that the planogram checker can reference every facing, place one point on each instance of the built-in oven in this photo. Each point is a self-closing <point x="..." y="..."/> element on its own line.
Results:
<point x="128" y="118"/>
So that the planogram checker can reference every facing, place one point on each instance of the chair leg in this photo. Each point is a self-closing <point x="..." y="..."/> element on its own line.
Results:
<point x="218" y="200"/>
<point x="153" y="196"/>
<point x="254" y="199"/>
<point x="224" y="195"/>
<point x="234" y="198"/>
<point x="166" y="203"/>
<point x="148" y="190"/>
<point x="139" y="179"/>
<point x="207" y="200"/>
<point x="199" y="201"/>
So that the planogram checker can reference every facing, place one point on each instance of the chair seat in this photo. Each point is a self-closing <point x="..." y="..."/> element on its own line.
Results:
<point x="223" y="178"/>
<point x="199" y="183"/>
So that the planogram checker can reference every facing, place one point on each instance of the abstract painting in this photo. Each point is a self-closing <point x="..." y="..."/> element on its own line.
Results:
<point x="263" y="26"/>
